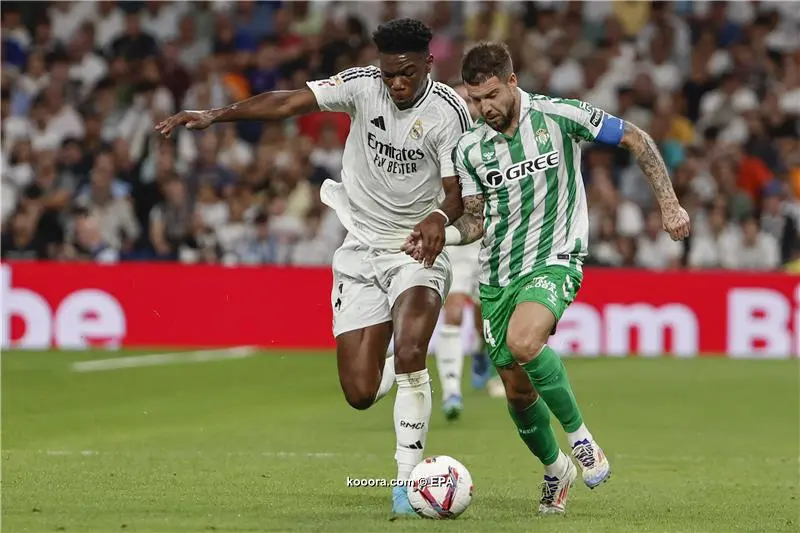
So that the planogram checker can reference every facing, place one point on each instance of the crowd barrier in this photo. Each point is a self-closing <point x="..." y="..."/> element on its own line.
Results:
<point x="159" y="305"/>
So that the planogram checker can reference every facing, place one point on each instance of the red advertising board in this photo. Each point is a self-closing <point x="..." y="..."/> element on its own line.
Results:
<point x="617" y="313"/>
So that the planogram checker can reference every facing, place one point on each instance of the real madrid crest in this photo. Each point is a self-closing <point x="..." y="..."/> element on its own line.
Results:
<point x="542" y="136"/>
<point x="416" y="130"/>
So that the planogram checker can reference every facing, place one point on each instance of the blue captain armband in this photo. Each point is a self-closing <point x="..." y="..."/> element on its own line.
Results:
<point x="611" y="131"/>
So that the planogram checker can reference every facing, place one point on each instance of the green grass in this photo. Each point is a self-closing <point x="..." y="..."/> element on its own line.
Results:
<point x="265" y="444"/>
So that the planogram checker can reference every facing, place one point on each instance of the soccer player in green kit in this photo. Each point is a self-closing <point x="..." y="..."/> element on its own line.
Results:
<point x="519" y="169"/>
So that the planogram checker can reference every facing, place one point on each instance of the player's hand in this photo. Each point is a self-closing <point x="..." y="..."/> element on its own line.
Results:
<point x="431" y="233"/>
<point x="194" y="120"/>
<point x="676" y="221"/>
<point x="413" y="246"/>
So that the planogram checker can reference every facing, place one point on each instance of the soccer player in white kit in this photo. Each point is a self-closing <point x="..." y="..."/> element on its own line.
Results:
<point x="398" y="177"/>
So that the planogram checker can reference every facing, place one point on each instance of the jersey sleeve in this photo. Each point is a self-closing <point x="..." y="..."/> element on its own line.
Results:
<point x="582" y="121"/>
<point x="457" y="122"/>
<point x="340" y="92"/>
<point x="467" y="175"/>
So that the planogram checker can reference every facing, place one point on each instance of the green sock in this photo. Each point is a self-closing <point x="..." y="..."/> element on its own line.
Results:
<point x="534" y="427"/>
<point x="549" y="378"/>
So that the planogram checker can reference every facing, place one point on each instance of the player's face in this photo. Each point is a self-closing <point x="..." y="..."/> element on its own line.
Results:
<point x="405" y="75"/>
<point x="494" y="99"/>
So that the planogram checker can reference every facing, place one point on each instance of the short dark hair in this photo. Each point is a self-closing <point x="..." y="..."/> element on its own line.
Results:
<point x="484" y="61"/>
<point x="401" y="36"/>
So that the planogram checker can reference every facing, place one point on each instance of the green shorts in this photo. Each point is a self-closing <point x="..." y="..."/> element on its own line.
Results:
<point x="554" y="287"/>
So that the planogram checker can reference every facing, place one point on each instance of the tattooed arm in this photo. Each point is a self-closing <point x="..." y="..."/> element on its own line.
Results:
<point x="675" y="219"/>
<point x="470" y="224"/>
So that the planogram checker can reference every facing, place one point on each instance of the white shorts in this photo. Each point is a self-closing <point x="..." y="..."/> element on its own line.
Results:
<point x="465" y="269"/>
<point x="367" y="282"/>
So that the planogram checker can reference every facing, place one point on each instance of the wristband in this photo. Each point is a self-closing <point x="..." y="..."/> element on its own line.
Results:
<point x="446" y="218"/>
<point x="452" y="236"/>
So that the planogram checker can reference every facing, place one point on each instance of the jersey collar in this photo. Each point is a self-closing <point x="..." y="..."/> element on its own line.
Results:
<point x="428" y="90"/>
<point x="425" y="94"/>
<point x="524" y="107"/>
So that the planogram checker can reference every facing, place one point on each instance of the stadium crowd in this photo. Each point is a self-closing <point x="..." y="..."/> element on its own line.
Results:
<point x="85" y="177"/>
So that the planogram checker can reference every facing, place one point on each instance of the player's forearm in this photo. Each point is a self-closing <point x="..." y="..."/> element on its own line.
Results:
<point x="470" y="224"/>
<point x="452" y="205"/>
<point x="470" y="228"/>
<point x="275" y="105"/>
<point x="645" y="150"/>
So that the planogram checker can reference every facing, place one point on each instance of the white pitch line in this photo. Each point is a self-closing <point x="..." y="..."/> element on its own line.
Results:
<point x="159" y="359"/>
<point x="276" y="455"/>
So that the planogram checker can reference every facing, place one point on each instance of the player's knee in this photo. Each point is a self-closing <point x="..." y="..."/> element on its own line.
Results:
<point x="359" y="395"/>
<point x="524" y="346"/>
<point x="526" y="336"/>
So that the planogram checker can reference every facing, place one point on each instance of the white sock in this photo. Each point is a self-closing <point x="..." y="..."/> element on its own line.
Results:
<point x="450" y="360"/>
<point x="387" y="379"/>
<point x="412" y="414"/>
<point x="559" y="468"/>
<point x="582" y="433"/>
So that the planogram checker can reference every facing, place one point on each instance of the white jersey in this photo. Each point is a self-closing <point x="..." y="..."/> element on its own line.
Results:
<point x="394" y="160"/>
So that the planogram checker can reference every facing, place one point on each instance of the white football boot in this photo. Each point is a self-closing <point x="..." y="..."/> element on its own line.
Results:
<point x="555" y="491"/>
<point x="594" y="464"/>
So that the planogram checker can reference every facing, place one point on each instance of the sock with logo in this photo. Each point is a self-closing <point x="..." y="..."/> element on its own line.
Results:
<point x="549" y="378"/>
<point x="387" y="379"/>
<point x="450" y="360"/>
<point x="533" y="425"/>
<point x="412" y="414"/>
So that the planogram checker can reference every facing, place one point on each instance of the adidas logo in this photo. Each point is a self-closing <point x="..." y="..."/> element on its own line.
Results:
<point x="416" y="446"/>
<point x="378" y="123"/>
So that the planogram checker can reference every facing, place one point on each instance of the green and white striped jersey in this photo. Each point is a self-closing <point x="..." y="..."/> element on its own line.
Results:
<point x="535" y="210"/>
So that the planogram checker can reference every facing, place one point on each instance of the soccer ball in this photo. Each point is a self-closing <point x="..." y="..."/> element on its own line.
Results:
<point x="440" y="488"/>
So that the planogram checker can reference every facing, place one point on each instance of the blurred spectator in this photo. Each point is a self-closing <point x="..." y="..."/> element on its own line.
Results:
<point x="170" y="220"/>
<point x="134" y="43"/>
<point x="655" y="249"/>
<point x="106" y="200"/>
<point x="259" y="247"/>
<point x="87" y="242"/>
<point x="751" y="248"/>
<point x="20" y="240"/>
<point x="235" y="231"/>
<point x="84" y="177"/>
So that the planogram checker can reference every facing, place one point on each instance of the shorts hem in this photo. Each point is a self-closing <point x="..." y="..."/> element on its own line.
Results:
<point x="347" y="329"/>
<point x="442" y="294"/>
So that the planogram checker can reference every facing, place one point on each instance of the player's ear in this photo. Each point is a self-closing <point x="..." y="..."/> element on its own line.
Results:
<point x="429" y="64"/>
<point x="512" y="81"/>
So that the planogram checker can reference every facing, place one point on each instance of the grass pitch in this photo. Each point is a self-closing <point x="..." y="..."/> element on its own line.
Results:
<point x="265" y="444"/>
